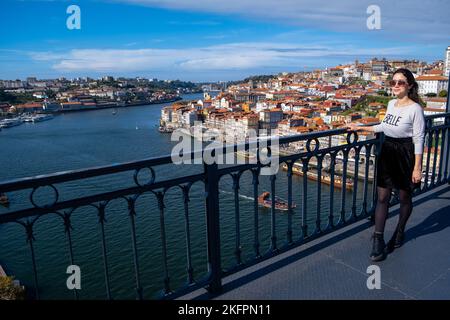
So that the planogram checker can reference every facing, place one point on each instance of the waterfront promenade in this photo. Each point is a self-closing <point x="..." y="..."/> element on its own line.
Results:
<point x="335" y="266"/>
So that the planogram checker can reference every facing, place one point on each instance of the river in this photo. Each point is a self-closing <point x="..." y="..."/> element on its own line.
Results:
<point x="86" y="139"/>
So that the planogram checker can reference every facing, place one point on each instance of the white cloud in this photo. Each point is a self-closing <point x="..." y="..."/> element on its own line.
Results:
<point x="233" y="56"/>
<point x="194" y="23"/>
<point x="412" y="20"/>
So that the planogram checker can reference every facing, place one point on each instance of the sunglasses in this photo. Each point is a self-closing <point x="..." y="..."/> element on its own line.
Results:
<point x="393" y="83"/>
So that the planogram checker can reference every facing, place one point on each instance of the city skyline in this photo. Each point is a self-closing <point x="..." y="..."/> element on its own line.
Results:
<point x="210" y="40"/>
<point x="119" y="77"/>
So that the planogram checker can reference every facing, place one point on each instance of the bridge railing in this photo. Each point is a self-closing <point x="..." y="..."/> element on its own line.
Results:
<point x="330" y="173"/>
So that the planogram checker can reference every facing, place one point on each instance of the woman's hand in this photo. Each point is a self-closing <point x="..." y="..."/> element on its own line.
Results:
<point x="353" y="127"/>
<point x="417" y="175"/>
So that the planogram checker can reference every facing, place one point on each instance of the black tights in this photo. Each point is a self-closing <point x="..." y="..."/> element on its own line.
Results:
<point x="381" y="211"/>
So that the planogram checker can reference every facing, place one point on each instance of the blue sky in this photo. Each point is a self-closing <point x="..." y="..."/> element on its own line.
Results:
<point x="209" y="40"/>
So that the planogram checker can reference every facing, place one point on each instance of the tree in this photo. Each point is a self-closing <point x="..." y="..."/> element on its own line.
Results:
<point x="50" y="94"/>
<point x="421" y="102"/>
<point x="430" y="94"/>
<point x="443" y="93"/>
<point x="9" y="290"/>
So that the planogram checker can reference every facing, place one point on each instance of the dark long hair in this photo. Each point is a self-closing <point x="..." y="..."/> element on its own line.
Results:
<point x="413" y="93"/>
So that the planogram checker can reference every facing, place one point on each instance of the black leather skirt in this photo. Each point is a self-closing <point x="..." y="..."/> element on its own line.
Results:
<point x="396" y="164"/>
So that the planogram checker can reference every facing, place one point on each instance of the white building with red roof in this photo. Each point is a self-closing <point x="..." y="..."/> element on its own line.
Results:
<point x="432" y="84"/>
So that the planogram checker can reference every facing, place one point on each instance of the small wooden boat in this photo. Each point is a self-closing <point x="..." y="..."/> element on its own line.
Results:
<point x="4" y="201"/>
<point x="265" y="200"/>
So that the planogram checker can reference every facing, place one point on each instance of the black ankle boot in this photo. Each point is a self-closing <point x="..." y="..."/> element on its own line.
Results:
<point x="378" y="247"/>
<point x="396" y="241"/>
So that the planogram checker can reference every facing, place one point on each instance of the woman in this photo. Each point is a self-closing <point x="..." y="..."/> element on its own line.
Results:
<point x="400" y="162"/>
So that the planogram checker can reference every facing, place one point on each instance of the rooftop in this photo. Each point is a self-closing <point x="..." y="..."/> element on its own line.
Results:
<point x="431" y="78"/>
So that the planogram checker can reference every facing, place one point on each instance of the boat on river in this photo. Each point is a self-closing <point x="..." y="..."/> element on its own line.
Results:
<point x="4" y="201"/>
<point x="325" y="177"/>
<point x="265" y="200"/>
<point x="8" y="123"/>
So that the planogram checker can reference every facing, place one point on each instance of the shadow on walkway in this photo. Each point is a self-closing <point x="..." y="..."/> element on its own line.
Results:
<point x="435" y="222"/>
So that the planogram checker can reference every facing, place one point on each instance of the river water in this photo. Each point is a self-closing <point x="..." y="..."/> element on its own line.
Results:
<point x="88" y="139"/>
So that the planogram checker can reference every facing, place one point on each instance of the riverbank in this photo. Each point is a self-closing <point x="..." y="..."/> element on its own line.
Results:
<point x="117" y="106"/>
<point x="75" y="141"/>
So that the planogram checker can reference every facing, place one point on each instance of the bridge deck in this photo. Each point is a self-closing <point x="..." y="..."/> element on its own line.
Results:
<point x="334" y="267"/>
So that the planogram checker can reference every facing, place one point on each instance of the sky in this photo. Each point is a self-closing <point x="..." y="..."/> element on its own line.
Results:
<point x="210" y="40"/>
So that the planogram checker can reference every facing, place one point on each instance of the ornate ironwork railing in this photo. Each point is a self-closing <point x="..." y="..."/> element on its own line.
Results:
<point x="336" y="187"/>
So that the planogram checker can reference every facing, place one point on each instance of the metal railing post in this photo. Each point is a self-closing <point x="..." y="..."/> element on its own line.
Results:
<point x="447" y="107"/>
<point x="211" y="175"/>
<point x="446" y="121"/>
<point x="380" y="137"/>
<point x="213" y="228"/>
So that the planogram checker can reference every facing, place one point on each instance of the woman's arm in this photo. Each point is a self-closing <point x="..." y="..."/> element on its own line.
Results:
<point x="418" y="140"/>
<point x="417" y="172"/>
<point x="356" y="127"/>
<point x="418" y="162"/>
<point x="418" y="129"/>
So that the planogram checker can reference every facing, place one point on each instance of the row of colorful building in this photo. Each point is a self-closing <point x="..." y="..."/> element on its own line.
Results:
<point x="291" y="103"/>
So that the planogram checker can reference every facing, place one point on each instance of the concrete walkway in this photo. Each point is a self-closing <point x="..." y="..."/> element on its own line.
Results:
<point x="335" y="266"/>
